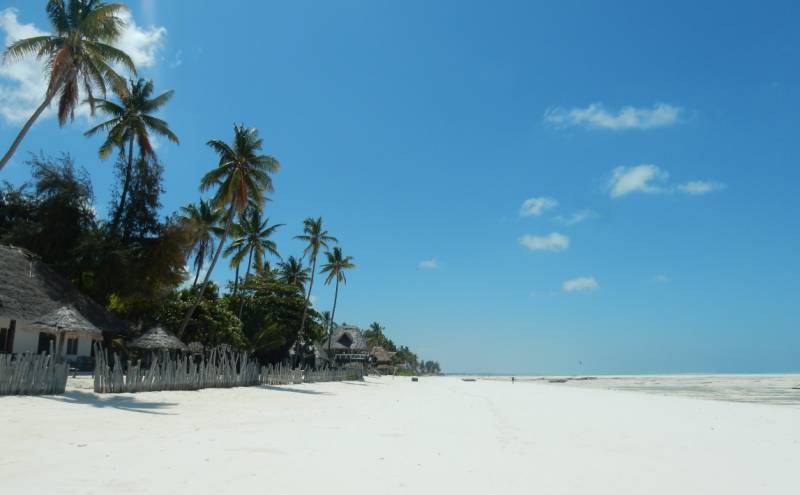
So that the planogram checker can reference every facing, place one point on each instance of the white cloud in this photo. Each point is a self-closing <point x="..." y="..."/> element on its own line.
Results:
<point x="648" y="178"/>
<point x="190" y="274"/>
<point x="141" y="44"/>
<point x="533" y="207"/>
<point x="20" y="98"/>
<point x="23" y="82"/>
<point x="641" y="178"/>
<point x="580" y="284"/>
<point x="661" y="279"/>
<point x="577" y="217"/>
<point x="628" y="117"/>
<point x="551" y="242"/>
<point x="429" y="264"/>
<point x="696" y="187"/>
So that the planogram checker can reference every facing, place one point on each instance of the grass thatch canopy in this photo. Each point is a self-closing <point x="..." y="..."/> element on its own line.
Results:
<point x="381" y="355"/>
<point x="67" y="319"/>
<point x="30" y="290"/>
<point x="158" y="338"/>
<point x="347" y="338"/>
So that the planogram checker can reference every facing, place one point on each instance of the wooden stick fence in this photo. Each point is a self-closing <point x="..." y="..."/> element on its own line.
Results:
<point x="219" y="369"/>
<point x="32" y="374"/>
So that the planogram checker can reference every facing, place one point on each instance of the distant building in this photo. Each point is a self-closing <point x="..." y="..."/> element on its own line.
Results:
<point x="347" y="345"/>
<point x="40" y="310"/>
<point x="381" y="359"/>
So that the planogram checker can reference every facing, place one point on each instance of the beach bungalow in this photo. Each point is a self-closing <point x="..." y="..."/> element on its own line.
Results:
<point x="40" y="310"/>
<point x="381" y="359"/>
<point x="347" y="345"/>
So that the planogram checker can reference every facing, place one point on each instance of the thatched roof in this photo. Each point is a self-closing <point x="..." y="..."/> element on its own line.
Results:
<point x="157" y="338"/>
<point x="348" y="338"/>
<point x="67" y="319"/>
<point x="30" y="290"/>
<point x="381" y="355"/>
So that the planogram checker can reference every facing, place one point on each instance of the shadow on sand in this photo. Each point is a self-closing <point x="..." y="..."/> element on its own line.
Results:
<point x="293" y="390"/>
<point x="125" y="402"/>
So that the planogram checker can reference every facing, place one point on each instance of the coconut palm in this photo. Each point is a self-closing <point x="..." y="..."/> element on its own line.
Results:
<point x="241" y="178"/>
<point x="236" y="261"/>
<point x="326" y="319"/>
<point x="131" y="121"/>
<point x="253" y="239"/>
<point x="78" y="55"/>
<point x="204" y="226"/>
<point x="335" y="268"/>
<point x="315" y="238"/>
<point x="293" y="272"/>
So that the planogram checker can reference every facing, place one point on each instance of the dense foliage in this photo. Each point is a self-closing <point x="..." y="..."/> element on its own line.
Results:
<point x="271" y="316"/>
<point x="212" y="324"/>
<point x="53" y="217"/>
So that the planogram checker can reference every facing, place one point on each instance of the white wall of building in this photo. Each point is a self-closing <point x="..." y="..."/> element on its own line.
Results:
<point x="26" y="339"/>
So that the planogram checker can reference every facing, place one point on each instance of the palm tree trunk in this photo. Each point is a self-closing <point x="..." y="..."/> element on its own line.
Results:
<point x="125" y="186"/>
<point x="298" y="343"/>
<point x="333" y="315"/>
<point x="198" y="263"/>
<point x="246" y="273"/>
<point x="236" y="280"/>
<point x="308" y="296"/>
<point x="189" y="313"/>
<point x="25" y="129"/>
<point x="196" y="276"/>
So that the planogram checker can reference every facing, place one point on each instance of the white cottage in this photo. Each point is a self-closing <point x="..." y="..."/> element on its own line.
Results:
<point x="40" y="310"/>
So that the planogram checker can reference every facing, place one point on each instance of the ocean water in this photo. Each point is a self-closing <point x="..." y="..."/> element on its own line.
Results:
<point x="781" y="389"/>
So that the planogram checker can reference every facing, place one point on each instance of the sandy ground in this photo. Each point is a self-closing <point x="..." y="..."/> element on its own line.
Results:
<point x="438" y="436"/>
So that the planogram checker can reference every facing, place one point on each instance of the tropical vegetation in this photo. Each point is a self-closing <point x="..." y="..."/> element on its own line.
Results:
<point x="151" y="267"/>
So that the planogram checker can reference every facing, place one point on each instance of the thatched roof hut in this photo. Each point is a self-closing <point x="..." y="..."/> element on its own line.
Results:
<point x="67" y="319"/>
<point x="381" y="355"/>
<point x="347" y="338"/>
<point x="157" y="338"/>
<point x="31" y="291"/>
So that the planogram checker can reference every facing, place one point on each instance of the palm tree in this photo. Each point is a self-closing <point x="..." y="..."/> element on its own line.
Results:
<point x="315" y="238"/>
<point x="204" y="223"/>
<point x="131" y="122"/>
<point x="241" y="178"/>
<point x="326" y="321"/>
<point x="236" y="261"/>
<point x="335" y="268"/>
<point x="78" y="55"/>
<point x="253" y="239"/>
<point x="293" y="272"/>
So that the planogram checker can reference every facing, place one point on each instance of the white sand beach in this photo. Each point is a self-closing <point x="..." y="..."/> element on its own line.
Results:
<point x="389" y="435"/>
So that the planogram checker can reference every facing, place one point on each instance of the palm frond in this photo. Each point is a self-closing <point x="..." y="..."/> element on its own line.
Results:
<point x="111" y="54"/>
<point x="36" y="45"/>
<point x="160" y="127"/>
<point x="103" y="22"/>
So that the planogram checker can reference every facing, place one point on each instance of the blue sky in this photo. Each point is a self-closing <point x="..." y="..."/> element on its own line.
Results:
<point x="564" y="187"/>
